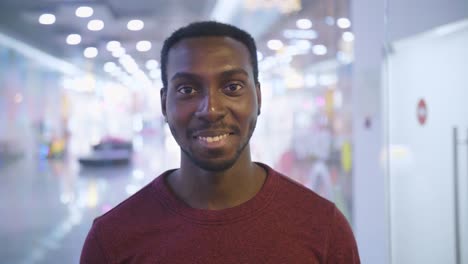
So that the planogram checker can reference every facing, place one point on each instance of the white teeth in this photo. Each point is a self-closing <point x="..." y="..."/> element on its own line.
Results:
<point x="213" y="139"/>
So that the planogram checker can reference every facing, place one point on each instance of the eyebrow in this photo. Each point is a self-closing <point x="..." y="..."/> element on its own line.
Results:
<point x="184" y="75"/>
<point x="235" y="71"/>
<point x="224" y="74"/>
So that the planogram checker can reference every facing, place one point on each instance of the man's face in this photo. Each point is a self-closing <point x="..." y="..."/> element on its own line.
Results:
<point x="211" y="102"/>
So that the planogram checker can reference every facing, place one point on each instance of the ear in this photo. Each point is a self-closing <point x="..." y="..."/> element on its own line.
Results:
<point x="163" y="95"/>
<point x="259" y="97"/>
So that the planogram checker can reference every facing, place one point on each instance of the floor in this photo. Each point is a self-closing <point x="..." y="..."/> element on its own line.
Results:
<point x="47" y="206"/>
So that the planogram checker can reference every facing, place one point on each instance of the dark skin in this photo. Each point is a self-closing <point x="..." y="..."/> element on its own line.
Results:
<point x="211" y="105"/>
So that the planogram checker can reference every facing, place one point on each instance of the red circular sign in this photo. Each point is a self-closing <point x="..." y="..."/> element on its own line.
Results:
<point x="422" y="112"/>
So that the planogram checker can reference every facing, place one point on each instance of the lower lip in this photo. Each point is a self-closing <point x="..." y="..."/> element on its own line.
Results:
<point x="214" y="144"/>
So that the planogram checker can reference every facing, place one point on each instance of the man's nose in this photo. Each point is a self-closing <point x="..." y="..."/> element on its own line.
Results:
<point x="212" y="106"/>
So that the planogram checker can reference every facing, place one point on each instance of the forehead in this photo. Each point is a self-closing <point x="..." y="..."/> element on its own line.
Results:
<point x="202" y="53"/>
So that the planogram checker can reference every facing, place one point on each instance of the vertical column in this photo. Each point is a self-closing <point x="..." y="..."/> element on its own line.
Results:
<point x="371" y="222"/>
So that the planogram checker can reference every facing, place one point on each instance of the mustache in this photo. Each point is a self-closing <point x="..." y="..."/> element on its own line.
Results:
<point x="213" y="126"/>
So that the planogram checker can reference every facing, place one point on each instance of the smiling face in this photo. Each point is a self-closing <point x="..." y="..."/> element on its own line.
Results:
<point x="211" y="102"/>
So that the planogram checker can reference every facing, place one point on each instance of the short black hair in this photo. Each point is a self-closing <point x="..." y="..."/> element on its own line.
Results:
<point x="208" y="29"/>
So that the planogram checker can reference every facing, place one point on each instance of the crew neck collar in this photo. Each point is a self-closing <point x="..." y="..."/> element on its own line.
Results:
<point x="216" y="217"/>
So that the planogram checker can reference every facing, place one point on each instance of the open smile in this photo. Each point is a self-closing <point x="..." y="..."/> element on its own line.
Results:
<point x="213" y="139"/>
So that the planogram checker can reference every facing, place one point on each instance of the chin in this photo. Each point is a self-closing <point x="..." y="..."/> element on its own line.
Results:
<point x="212" y="164"/>
<point x="215" y="166"/>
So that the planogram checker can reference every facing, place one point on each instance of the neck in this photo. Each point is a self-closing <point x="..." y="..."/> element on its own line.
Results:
<point x="217" y="190"/>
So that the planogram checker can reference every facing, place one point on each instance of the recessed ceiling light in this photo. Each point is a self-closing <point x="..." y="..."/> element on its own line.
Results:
<point x="152" y="64"/>
<point x="109" y="67"/>
<point x="47" y="19"/>
<point x="348" y="36"/>
<point x="129" y="64"/>
<point x="304" y="23"/>
<point x="275" y="44"/>
<point x="90" y="52"/>
<point x="112" y="45"/>
<point x="343" y="23"/>
<point x="95" y="25"/>
<point x="319" y="49"/>
<point x="73" y="39"/>
<point x="119" y="52"/>
<point x="84" y="11"/>
<point x="135" y="25"/>
<point x="143" y="45"/>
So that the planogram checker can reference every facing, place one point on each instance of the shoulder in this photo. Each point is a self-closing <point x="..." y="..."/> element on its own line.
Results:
<point x="342" y="246"/>
<point x="290" y="192"/>
<point x="141" y="209"/>
<point x="315" y="218"/>
<point x="131" y="206"/>
<point x="118" y="231"/>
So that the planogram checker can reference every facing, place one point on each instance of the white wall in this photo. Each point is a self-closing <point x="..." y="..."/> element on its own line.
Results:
<point x="376" y="23"/>
<point x="432" y="67"/>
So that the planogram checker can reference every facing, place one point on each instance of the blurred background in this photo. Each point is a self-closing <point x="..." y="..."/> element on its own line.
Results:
<point x="363" y="101"/>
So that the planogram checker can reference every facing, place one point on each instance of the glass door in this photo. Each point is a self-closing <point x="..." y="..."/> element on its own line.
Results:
<point x="427" y="118"/>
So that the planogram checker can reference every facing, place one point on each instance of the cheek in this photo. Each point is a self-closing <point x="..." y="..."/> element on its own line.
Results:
<point x="177" y="121"/>
<point x="173" y="131"/>
<point x="180" y="118"/>
<point x="248" y="108"/>
<point x="247" y="118"/>
<point x="178" y="111"/>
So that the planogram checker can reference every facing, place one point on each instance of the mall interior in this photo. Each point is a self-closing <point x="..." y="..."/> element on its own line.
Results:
<point x="364" y="102"/>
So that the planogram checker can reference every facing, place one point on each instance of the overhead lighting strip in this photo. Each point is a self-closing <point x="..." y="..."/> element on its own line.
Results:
<point x="39" y="56"/>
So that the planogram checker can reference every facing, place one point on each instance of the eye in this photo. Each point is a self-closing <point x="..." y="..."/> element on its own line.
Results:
<point x="185" y="89"/>
<point x="233" y="87"/>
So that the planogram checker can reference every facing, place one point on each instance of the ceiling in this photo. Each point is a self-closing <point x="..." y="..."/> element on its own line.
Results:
<point x="19" y="18"/>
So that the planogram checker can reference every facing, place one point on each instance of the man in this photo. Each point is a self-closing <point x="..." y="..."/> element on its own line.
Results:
<point x="219" y="206"/>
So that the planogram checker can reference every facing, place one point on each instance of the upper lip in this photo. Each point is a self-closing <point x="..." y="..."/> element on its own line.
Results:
<point x="211" y="133"/>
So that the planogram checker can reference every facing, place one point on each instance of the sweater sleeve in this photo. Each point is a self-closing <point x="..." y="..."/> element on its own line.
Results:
<point x="342" y="248"/>
<point x="92" y="252"/>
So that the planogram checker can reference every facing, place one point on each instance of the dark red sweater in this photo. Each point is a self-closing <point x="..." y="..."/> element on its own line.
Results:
<point x="284" y="223"/>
